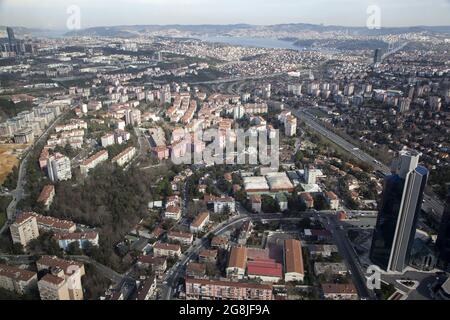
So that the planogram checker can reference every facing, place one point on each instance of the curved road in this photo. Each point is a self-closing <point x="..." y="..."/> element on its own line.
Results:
<point x="18" y="193"/>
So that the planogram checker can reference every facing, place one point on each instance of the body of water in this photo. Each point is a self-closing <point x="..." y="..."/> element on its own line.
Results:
<point x="252" y="42"/>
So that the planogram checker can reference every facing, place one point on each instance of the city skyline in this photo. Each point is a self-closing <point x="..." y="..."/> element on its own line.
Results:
<point x="165" y="155"/>
<point x="49" y="14"/>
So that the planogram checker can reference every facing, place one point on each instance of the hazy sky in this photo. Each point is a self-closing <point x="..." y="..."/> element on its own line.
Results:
<point x="52" y="13"/>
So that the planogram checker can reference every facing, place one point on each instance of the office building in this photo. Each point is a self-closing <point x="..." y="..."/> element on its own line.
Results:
<point x="400" y="206"/>
<point x="11" y="40"/>
<point x="377" y="56"/>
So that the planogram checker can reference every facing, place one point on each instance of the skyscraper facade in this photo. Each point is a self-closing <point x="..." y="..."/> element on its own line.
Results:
<point x="11" y="39"/>
<point x="443" y="239"/>
<point x="400" y="207"/>
<point x="377" y="56"/>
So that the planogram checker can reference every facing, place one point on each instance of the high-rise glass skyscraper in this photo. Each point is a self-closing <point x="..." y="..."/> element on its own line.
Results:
<point x="397" y="218"/>
<point x="11" y="39"/>
<point x="377" y="55"/>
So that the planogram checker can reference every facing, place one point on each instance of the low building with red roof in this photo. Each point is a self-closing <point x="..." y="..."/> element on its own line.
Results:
<point x="267" y="270"/>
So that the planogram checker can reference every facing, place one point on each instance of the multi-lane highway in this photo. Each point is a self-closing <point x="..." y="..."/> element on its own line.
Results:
<point x="430" y="205"/>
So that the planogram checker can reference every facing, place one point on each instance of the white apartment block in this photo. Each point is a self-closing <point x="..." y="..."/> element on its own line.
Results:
<point x="17" y="280"/>
<point x="70" y="271"/>
<point x="290" y="126"/>
<point x="93" y="161"/>
<point x="107" y="140"/>
<point x="24" y="229"/>
<point x="125" y="156"/>
<point x="59" y="168"/>
<point x="81" y="238"/>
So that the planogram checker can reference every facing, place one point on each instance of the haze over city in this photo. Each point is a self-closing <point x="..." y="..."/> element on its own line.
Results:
<point x="52" y="13"/>
<point x="236" y="150"/>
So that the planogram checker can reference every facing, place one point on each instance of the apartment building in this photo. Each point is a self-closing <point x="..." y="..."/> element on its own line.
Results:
<point x="53" y="287"/>
<point x="107" y="140"/>
<point x="81" y="238"/>
<point x="147" y="289"/>
<point x="24" y="229"/>
<point x="172" y="212"/>
<point x="199" y="222"/>
<point x="185" y="238"/>
<point x="58" y="168"/>
<point x="290" y="126"/>
<point x="125" y="156"/>
<point x="205" y="289"/>
<point x="208" y="256"/>
<point x="339" y="291"/>
<point x="46" y="196"/>
<point x="93" y="161"/>
<point x="18" y="280"/>
<point x="221" y="203"/>
<point x="72" y="272"/>
<point x="166" y="250"/>
<point x="47" y="223"/>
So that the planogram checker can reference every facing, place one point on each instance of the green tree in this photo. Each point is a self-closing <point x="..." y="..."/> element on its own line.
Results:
<point x="269" y="204"/>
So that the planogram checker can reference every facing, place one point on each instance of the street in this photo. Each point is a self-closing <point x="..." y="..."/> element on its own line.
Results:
<point x="433" y="204"/>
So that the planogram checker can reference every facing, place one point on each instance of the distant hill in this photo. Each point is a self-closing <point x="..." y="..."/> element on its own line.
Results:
<point x="130" y="31"/>
<point x="22" y="32"/>
<point x="209" y="29"/>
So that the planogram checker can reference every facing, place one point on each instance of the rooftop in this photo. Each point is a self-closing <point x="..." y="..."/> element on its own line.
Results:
<point x="94" y="157"/>
<point x="76" y="236"/>
<point x="46" y="192"/>
<point x="199" y="219"/>
<point x="293" y="256"/>
<point x="46" y="220"/>
<point x="238" y="258"/>
<point x="16" y="273"/>
<point x="265" y="268"/>
<point x="229" y="284"/>
<point x="66" y="265"/>
<point x="167" y="246"/>
<point x="338" y="288"/>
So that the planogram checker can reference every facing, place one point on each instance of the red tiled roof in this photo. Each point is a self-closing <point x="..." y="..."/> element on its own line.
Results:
<point x="265" y="268"/>
<point x="338" y="288"/>
<point x="293" y="256"/>
<point x="238" y="257"/>
<point x="45" y="193"/>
